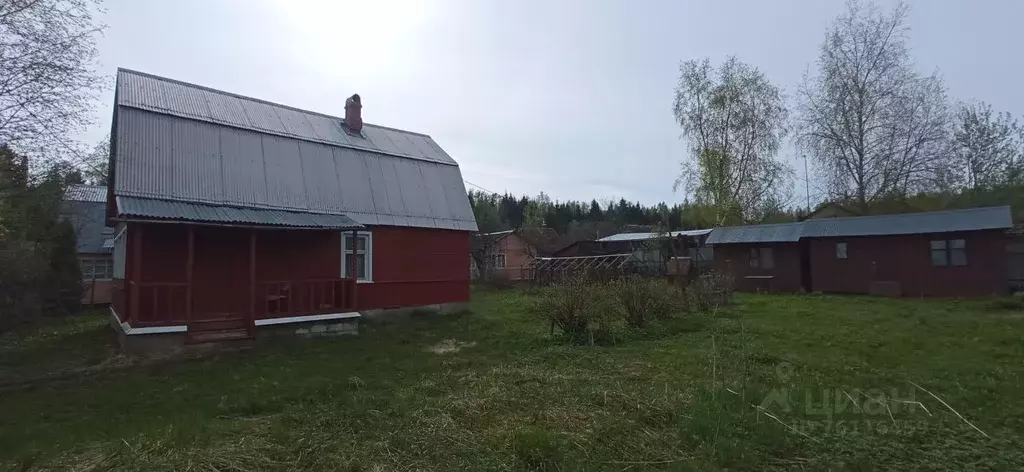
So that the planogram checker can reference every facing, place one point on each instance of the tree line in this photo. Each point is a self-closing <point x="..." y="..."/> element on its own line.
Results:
<point x="576" y="220"/>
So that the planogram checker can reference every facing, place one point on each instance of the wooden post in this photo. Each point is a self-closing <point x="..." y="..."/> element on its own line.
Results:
<point x="355" y="268"/>
<point x="136" y="278"/>
<point x="252" y="278"/>
<point x="189" y="264"/>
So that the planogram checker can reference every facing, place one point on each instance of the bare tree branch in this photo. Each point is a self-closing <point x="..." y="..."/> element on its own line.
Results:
<point x="874" y="127"/>
<point x="48" y="82"/>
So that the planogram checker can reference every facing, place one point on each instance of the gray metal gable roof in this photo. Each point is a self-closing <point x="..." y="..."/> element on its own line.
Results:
<point x="171" y="156"/>
<point x="86" y="193"/>
<point x="646" y="236"/>
<point x="776" y="233"/>
<point x="163" y="95"/>
<point x="972" y="219"/>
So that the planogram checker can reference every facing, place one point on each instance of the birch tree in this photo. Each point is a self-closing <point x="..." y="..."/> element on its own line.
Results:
<point x="988" y="147"/>
<point x="733" y="120"/>
<point x="48" y="78"/>
<point x="873" y="126"/>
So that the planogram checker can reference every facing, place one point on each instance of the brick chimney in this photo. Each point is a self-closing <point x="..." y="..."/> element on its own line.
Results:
<point x="354" y="113"/>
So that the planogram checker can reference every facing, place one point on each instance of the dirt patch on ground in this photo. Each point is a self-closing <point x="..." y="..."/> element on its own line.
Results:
<point x="449" y="346"/>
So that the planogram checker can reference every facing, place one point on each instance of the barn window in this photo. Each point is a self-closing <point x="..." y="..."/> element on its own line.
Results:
<point x="949" y="252"/>
<point x="498" y="261"/>
<point x="363" y="254"/>
<point x="762" y="258"/>
<point x="840" y="250"/>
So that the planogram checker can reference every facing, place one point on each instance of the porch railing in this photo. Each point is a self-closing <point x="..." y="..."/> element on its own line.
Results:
<point x="151" y="303"/>
<point x="304" y="297"/>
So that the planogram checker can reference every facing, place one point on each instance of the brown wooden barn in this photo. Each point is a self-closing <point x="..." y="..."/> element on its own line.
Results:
<point x="957" y="253"/>
<point x="234" y="213"/>
<point x="761" y="258"/>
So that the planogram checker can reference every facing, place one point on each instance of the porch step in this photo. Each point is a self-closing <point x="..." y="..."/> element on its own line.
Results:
<point x="212" y="336"/>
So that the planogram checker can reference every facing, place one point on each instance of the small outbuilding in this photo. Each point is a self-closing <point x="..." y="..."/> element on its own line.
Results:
<point x="956" y="253"/>
<point x="766" y="258"/>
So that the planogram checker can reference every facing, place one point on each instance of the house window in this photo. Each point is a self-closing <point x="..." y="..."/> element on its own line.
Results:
<point x="840" y="250"/>
<point x="97" y="268"/>
<point x="949" y="252"/>
<point x="498" y="261"/>
<point x="363" y="254"/>
<point x="762" y="258"/>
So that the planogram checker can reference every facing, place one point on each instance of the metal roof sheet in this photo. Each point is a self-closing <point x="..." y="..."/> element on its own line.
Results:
<point x="646" y="236"/>
<point x="163" y="151"/>
<point x="775" y="233"/>
<point x="972" y="219"/>
<point x="88" y="219"/>
<point x="147" y="208"/>
<point x="163" y="95"/>
<point x="86" y="193"/>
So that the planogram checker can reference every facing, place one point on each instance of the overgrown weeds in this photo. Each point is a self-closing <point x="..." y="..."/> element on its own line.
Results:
<point x="643" y="299"/>
<point x="578" y="308"/>
<point x="709" y="291"/>
<point x="602" y="311"/>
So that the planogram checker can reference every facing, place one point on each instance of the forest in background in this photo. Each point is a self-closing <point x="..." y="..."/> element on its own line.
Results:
<point x="576" y="220"/>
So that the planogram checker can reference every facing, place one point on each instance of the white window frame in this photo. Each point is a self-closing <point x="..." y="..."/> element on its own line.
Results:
<point x="367" y="251"/>
<point x="841" y="251"/>
<point x="498" y="257"/>
<point x="107" y="262"/>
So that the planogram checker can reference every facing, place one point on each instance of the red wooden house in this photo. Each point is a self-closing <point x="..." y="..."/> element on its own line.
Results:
<point x="234" y="213"/>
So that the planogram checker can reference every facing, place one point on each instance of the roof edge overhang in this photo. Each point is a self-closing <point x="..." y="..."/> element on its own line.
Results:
<point x="152" y="210"/>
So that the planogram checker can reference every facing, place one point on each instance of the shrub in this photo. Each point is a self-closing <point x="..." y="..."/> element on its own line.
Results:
<point x="22" y="270"/>
<point x="499" y="280"/>
<point x="578" y="308"/>
<point x="643" y="299"/>
<point x="709" y="291"/>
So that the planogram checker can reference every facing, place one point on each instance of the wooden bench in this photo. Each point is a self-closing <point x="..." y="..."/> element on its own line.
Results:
<point x="759" y="280"/>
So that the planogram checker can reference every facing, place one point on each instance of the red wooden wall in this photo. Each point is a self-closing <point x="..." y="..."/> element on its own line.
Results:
<point x="734" y="259"/>
<point x="907" y="260"/>
<point x="417" y="266"/>
<point x="410" y="266"/>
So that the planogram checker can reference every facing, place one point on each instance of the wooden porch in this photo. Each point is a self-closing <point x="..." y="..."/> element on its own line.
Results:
<point x="227" y="301"/>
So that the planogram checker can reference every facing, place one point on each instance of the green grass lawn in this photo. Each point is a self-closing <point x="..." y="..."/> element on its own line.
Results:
<point x="777" y="382"/>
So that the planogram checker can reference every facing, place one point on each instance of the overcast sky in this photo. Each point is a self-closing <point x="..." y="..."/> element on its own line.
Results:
<point x="572" y="98"/>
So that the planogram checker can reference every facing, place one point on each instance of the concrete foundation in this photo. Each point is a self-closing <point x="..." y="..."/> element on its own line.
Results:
<point x="391" y="315"/>
<point x="169" y="344"/>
